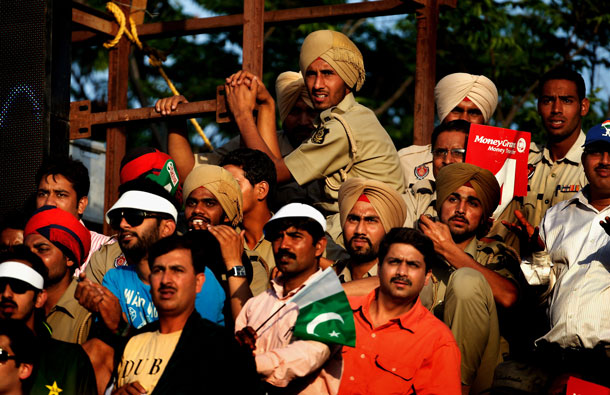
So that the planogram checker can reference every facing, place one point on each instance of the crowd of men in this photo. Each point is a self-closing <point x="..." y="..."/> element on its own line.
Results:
<point x="196" y="287"/>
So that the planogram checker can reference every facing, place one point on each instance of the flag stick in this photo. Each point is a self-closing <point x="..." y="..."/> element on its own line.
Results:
<point x="267" y="320"/>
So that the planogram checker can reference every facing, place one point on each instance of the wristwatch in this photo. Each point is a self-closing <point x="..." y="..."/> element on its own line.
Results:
<point x="236" y="271"/>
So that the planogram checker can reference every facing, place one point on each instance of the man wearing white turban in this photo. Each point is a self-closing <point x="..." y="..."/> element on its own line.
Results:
<point x="472" y="98"/>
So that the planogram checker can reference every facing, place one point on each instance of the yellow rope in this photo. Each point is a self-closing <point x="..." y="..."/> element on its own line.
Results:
<point x="154" y="61"/>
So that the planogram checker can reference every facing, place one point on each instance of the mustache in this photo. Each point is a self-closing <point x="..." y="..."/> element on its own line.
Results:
<point x="163" y="287"/>
<point x="358" y="237"/>
<point x="7" y="303"/>
<point x="285" y="253"/>
<point x="460" y="217"/>
<point x="402" y="279"/>
<point x="602" y="166"/>
<point x="123" y="232"/>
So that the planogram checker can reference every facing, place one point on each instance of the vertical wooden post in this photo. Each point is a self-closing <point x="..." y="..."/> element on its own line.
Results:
<point x="425" y="73"/>
<point x="118" y="77"/>
<point x="254" y="29"/>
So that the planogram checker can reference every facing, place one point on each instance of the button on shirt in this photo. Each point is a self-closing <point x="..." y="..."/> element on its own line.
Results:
<point x="579" y="309"/>
<point x="411" y="354"/>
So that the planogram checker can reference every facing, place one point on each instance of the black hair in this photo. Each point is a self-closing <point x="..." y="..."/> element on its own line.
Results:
<point x="171" y="243"/>
<point x="307" y="224"/>
<point x="563" y="73"/>
<point x="22" y="340"/>
<point x="413" y="237"/>
<point x="146" y="185"/>
<point x="14" y="219"/>
<point x="22" y="253"/>
<point x="257" y="166"/>
<point x="73" y="170"/>
<point x="458" y="125"/>
<point x="136" y="153"/>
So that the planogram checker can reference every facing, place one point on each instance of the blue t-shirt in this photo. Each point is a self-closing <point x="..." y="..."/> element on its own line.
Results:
<point x="136" y="301"/>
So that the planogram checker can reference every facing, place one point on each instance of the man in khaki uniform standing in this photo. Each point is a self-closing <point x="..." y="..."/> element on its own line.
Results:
<point x="479" y="275"/>
<point x="472" y="98"/>
<point x="555" y="170"/>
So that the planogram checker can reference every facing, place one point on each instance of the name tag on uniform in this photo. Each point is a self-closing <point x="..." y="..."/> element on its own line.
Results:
<point x="568" y="188"/>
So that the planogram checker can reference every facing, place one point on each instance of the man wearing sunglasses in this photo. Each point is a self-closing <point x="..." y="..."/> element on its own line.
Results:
<point x="60" y="366"/>
<point x="144" y="213"/>
<point x="17" y="355"/>
<point x="448" y="146"/>
<point x="120" y="294"/>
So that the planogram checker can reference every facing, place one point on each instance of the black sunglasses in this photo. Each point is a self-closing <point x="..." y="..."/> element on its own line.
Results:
<point x="5" y="356"/>
<point x="134" y="217"/>
<point x="17" y="286"/>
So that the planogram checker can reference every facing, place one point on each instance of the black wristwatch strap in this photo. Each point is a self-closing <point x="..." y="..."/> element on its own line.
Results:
<point x="237" y="271"/>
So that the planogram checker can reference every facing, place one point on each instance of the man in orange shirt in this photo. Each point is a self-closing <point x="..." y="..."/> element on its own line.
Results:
<point x="400" y="346"/>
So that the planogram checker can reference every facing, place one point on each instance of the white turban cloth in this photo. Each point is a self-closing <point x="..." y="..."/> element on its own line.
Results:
<point x="453" y="88"/>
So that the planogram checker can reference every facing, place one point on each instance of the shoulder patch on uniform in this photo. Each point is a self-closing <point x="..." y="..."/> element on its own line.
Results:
<point x="421" y="171"/>
<point x="530" y="170"/>
<point x="120" y="260"/>
<point x="319" y="135"/>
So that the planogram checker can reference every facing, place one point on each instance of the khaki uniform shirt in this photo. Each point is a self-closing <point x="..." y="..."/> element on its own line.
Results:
<point x="344" y="272"/>
<point x="494" y="255"/>
<point x="549" y="183"/>
<point x="416" y="162"/>
<point x="263" y="262"/>
<point x="70" y="322"/>
<point x="106" y="258"/>
<point x="357" y="147"/>
<point x="420" y="199"/>
<point x="284" y="193"/>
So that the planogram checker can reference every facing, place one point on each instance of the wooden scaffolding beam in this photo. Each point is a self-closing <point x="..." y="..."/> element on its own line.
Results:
<point x="98" y="26"/>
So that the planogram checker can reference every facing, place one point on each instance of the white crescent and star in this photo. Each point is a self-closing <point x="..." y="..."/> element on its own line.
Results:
<point x="311" y="327"/>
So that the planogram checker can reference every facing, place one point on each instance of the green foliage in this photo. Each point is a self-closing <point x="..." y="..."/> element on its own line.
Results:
<point x="511" y="42"/>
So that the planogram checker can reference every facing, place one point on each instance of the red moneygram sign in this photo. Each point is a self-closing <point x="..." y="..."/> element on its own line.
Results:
<point x="504" y="152"/>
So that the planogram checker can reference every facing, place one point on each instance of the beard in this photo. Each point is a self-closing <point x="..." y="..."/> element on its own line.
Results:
<point x="138" y="248"/>
<point x="361" y="254"/>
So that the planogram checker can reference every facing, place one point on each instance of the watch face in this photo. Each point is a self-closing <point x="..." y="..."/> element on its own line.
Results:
<point x="237" y="271"/>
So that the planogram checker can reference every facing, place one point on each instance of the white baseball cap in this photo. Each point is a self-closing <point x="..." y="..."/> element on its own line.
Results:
<point x="299" y="210"/>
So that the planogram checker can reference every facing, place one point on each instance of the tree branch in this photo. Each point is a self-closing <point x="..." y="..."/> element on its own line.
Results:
<point x="399" y="92"/>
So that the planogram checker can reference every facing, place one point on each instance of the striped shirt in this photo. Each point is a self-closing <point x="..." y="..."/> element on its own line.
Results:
<point x="579" y="308"/>
<point x="97" y="241"/>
